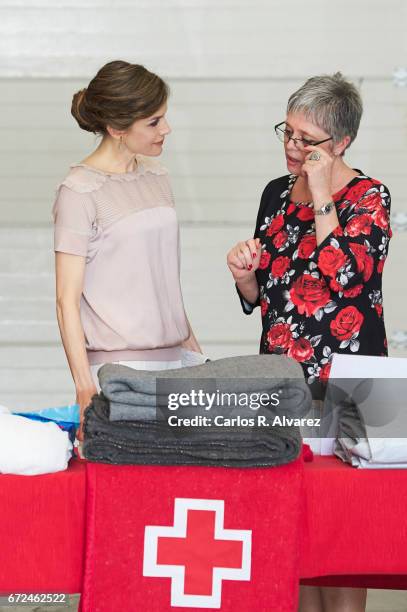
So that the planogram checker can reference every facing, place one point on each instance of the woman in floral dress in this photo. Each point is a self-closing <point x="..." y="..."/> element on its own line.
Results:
<point x="315" y="263"/>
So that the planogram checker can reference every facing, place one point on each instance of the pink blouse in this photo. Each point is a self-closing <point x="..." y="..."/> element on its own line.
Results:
<point x="126" y="227"/>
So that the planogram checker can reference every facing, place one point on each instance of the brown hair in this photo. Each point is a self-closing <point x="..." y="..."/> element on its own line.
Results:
<point x="118" y="95"/>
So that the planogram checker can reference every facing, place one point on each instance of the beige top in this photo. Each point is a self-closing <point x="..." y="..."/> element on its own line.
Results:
<point x="126" y="227"/>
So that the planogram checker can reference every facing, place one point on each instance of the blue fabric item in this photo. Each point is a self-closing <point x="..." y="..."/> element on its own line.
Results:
<point x="69" y="414"/>
<point x="66" y="417"/>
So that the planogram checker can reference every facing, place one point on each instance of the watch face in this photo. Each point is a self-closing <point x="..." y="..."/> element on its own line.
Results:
<point x="325" y="209"/>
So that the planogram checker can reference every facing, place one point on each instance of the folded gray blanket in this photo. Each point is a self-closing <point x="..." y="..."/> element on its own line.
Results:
<point x="371" y="422"/>
<point x="155" y="443"/>
<point x="136" y="394"/>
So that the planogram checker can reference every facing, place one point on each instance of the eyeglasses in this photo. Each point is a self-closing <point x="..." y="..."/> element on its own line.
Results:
<point x="284" y="134"/>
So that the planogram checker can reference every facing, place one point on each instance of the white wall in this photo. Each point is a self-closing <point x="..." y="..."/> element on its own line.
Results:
<point x="203" y="38"/>
<point x="231" y="66"/>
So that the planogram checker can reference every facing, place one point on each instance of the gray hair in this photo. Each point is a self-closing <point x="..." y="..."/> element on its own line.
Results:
<point x="332" y="103"/>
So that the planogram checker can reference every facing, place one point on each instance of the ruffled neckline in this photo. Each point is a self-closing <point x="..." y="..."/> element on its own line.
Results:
<point x="83" y="178"/>
<point x="144" y="165"/>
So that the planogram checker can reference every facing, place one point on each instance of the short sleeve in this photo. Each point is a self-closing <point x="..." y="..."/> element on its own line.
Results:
<point x="74" y="217"/>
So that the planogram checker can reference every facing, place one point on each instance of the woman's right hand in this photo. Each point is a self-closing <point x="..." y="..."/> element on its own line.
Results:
<point x="244" y="258"/>
<point x="83" y="398"/>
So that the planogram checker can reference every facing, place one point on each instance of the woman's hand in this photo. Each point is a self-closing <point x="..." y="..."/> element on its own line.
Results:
<point x="319" y="173"/>
<point x="83" y="398"/>
<point x="243" y="260"/>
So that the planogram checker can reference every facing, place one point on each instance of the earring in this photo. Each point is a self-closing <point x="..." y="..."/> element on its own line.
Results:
<point x="120" y="143"/>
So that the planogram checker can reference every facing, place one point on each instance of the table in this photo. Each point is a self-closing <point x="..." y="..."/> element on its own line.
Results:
<point x="356" y="526"/>
<point x="355" y="533"/>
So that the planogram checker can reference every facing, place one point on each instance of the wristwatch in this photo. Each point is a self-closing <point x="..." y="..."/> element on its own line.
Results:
<point x="325" y="209"/>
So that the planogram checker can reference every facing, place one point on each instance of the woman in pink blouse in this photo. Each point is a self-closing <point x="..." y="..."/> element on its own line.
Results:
<point x="117" y="237"/>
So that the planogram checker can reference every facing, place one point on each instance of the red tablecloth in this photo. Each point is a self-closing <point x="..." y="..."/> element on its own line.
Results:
<point x="42" y="531"/>
<point x="356" y="528"/>
<point x="356" y="525"/>
<point x="197" y="537"/>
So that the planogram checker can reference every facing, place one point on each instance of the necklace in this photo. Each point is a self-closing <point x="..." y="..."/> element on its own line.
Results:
<point x="290" y="188"/>
<point x="303" y="203"/>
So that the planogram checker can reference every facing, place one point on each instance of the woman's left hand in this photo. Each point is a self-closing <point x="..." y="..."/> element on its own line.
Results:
<point x="319" y="172"/>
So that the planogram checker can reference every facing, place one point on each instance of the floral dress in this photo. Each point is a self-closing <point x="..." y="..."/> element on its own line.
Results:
<point x="320" y="300"/>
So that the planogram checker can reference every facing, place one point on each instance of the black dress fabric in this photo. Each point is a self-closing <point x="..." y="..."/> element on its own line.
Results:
<point x="320" y="300"/>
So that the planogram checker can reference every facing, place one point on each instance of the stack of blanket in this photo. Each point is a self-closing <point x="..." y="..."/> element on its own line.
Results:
<point x="128" y="422"/>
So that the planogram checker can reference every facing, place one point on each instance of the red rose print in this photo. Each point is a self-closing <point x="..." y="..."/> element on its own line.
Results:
<point x="381" y="218"/>
<point x="380" y="265"/>
<point x="309" y="294"/>
<point x="353" y="291"/>
<point x="307" y="246"/>
<point x="280" y="239"/>
<point x="280" y="266"/>
<point x="305" y="213"/>
<point x="358" y="190"/>
<point x="368" y="269"/>
<point x="360" y="224"/>
<point x="301" y="350"/>
<point x="279" y="336"/>
<point x="330" y="260"/>
<point x="335" y="286"/>
<point x="338" y="195"/>
<point x="263" y="307"/>
<point x="364" y="261"/>
<point x="321" y="302"/>
<point x="276" y="225"/>
<point x="346" y="323"/>
<point x="264" y="260"/>
<point x="379" y="309"/>
<point x="359" y="251"/>
<point x="371" y="203"/>
<point x="324" y="372"/>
